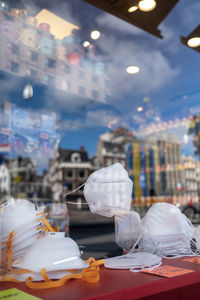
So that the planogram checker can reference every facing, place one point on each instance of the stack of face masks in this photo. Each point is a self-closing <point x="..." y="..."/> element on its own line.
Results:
<point x="21" y="218"/>
<point x="108" y="190"/>
<point x="54" y="253"/>
<point x="127" y="229"/>
<point x="166" y="231"/>
<point x="137" y="261"/>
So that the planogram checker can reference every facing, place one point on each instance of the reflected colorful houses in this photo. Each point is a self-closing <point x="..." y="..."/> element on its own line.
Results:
<point x="156" y="169"/>
<point x="28" y="48"/>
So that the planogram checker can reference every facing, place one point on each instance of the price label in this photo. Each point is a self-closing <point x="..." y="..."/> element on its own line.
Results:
<point x="195" y="260"/>
<point x="168" y="271"/>
<point x="15" y="294"/>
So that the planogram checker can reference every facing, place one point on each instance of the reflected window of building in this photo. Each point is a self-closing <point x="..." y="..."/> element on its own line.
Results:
<point x="69" y="186"/>
<point x="69" y="173"/>
<point x="67" y="69"/>
<point x="15" y="49"/>
<point x="95" y="94"/>
<point x="14" y="67"/>
<point x="34" y="56"/>
<point x="107" y="83"/>
<point x="49" y="80"/>
<point x="31" y="72"/>
<point x="81" y="74"/>
<point x="95" y="79"/>
<point x="76" y="157"/>
<point x="81" y="90"/>
<point x="81" y="173"/>
<point x="50" y="63"/>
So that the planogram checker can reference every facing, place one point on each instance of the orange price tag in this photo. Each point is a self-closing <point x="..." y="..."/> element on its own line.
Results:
<point x="195" y="260"/>
<point x="168" y="271"/>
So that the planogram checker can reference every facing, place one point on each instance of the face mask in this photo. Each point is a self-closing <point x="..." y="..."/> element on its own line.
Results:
<point x="18" y="215"/>
<point x="134" y="261"/>
<point x="53" y="252"/>
<point x="108" y="190"/>
<point x="166" y="219"/>
<point x="166" y="231"/>
<point x="127" y="229"/>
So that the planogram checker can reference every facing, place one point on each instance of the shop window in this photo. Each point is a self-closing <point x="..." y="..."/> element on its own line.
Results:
<point x="50" y="63"/>
<point x="14" y="67"/>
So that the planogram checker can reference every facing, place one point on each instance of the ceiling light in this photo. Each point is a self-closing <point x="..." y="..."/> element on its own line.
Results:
<point x="194" y="42"/>
<point x="140" y="108"/>
<point x="86" y="44"/>
<point x="95" y="34"/>
<point x="132" y="69"/>
<point x="132" y="8"/>
<point x="147" y="5"/>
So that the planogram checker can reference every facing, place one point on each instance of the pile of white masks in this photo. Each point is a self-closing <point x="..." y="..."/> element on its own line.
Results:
<point x="24" y="220"/>
<point x="55" y="253"/>
<point x="108" y="190"/>
<point x="127" y="229"/>
<point x="136" y="262"/>
<point x="166" y="231"/>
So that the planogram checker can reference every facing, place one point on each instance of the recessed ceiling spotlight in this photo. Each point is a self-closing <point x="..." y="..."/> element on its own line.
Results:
<point x="147" y="5"/>
<point x="86" y="44"/>
<point x="132" y="8"/>
<point x="194" y="42"/>
<point x="95" y="34"/>
<point x="140" y="108"/>
<point x="132" y="69"/>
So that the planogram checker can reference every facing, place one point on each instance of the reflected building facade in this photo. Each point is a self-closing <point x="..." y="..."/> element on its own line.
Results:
<point x="155" y="166"/>
<point x="68" y="170"/>
<point x="29" y="49"/>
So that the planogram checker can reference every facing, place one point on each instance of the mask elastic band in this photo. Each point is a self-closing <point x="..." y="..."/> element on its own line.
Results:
<point x="75" y="189"/>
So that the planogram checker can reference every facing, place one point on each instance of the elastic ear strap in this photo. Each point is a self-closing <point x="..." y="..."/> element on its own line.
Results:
<point x="90" y="274"/>
<point x="50" y="228"/>
<point x="50" y="283"/>
<point x="75" y="189"/>
<point x="8" y="278"/>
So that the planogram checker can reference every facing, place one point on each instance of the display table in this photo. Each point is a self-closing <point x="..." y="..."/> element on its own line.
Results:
<point x="124" y="285"/>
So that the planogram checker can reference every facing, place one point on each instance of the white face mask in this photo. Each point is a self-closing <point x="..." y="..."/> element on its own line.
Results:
<point x="108" y="190"/>
<point x="166" y="231"/>
<point x="127" y="229"/>
<point x="53" y="252"/>
<point x="134" y="261"/>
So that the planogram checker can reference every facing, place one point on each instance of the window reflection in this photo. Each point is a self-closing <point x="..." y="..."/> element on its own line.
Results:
<point x="86" y="112"/>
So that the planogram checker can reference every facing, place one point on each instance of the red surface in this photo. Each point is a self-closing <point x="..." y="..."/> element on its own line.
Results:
<point x="125" y="285"/>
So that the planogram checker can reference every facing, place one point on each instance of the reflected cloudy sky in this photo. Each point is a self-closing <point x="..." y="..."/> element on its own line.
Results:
<point x="169" y="75"/>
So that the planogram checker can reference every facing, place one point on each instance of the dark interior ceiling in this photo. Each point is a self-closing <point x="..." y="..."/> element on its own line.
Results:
<point x="194" y="33"/>
<point x="148" y="21"/>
